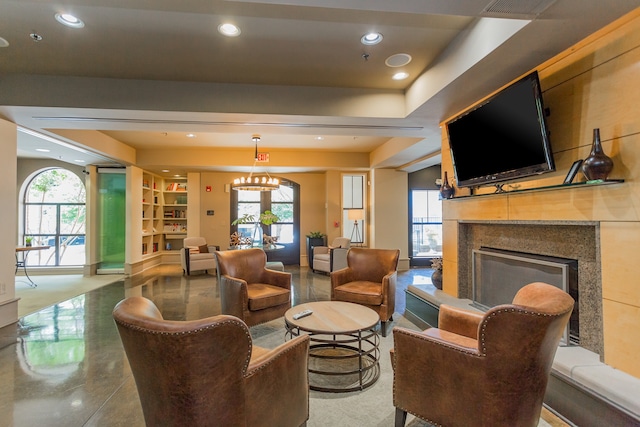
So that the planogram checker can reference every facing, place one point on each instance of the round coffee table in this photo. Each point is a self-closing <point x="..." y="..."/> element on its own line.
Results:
<point x="344" y="349"/>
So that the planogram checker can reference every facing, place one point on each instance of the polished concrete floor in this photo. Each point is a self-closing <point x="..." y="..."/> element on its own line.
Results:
<point x="64" y="365"/>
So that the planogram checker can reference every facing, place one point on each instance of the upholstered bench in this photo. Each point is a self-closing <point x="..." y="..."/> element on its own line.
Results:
<point x="275" y="265"/>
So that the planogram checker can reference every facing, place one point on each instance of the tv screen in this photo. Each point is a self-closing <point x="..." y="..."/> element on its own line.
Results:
<point x="503" y="138"/>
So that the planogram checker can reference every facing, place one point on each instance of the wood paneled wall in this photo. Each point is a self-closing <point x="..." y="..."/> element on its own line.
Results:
<point x="595" y="84"/>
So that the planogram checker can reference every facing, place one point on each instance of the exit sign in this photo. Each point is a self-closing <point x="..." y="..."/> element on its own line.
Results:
<point x="263" y="157"/>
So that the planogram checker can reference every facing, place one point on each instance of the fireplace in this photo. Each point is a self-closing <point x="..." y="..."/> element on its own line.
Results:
<point x="573" y="240"/>
<point x="499" y="274"/>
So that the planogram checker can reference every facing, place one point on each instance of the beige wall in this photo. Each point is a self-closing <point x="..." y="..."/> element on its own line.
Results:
<point x="216" y="228"/>
<point x="596" y="84"/>
<point x="389" y="212"/>
<point x="8" y="149"/>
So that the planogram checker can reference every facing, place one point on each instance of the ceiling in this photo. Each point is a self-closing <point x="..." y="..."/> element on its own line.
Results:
<point x="142" y="75"/>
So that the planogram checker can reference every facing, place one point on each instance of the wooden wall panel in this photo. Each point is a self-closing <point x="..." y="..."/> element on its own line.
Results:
<point x="471" y="208"/>
<point x="620" y="243"/>
<point x="595" y="84"/>
<point x="621" y="343"/>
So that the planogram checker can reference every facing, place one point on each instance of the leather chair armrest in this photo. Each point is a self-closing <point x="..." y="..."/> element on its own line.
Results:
<point x="234" y="296"/>
<point x="459" y="321"/>
<point x="418" y="379"/>
<point x="340" y="277"/>
<point x="281" y="372"/>
<point x="389" y="289"/>
<point x="277" y="278"/>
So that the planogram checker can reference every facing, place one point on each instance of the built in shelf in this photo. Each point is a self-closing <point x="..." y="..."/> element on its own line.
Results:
<point x="594" y="183"/>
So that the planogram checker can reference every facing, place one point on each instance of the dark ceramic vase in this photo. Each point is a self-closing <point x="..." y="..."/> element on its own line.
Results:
<point x="598" y="165"/>
<point x="447" y="191"/>
<point x="436" y="279"/>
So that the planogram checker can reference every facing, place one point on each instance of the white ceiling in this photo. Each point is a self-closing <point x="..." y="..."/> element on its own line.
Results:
<point x="144" y="74"/>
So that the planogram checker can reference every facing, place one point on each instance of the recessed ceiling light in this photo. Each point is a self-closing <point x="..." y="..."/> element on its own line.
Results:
<point x="165" y="170"/>
<point x="69" y="20"/>
<point x="191" y="135"/>
<point x="398" y="60"/>
<point x="319" y="138"/>
<point x="371" y="39"/>
<point x="43" y="150"/>
<point x="400" y="76"/>
<point x="3" y="42"/>
<point x="229" y="30"/>
<point x="79" y="161"/>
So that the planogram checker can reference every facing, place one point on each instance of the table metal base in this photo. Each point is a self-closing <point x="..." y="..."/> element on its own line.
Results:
<point x="342" y="363"/>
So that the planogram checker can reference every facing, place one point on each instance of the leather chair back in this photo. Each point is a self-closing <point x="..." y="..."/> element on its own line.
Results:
<point x="182" y="369"/>
<point x="246" y="264"/>
<point x="372" y="264"/>
<point x="495" y="365"/>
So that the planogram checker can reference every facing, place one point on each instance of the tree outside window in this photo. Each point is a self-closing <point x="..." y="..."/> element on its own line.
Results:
<point x="54" y="215"/>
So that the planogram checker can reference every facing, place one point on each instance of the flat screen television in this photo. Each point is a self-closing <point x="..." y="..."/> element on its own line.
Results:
<point x="503" y="138"/>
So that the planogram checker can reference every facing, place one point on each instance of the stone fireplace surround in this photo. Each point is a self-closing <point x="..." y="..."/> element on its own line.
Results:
<point x="573" y="240"/>
<point x="582" y="388"/>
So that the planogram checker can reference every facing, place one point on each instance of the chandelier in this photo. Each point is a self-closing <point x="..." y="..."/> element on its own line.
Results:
<point x="257" y="182"/>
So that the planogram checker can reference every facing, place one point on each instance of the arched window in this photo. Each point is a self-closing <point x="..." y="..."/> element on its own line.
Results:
<point x="54" y="215"/>
<point x="284" y="203"/>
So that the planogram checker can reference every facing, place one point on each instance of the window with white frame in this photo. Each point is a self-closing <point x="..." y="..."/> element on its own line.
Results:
<point x="353" y="207"/>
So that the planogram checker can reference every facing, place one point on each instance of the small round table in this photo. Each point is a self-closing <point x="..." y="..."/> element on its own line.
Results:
<point x="344" y="349"/>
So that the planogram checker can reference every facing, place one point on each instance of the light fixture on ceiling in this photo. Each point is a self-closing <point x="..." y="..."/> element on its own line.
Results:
<point x="69" y="20"/>
<point x="255" y="183"/>
<point x="400" y="76"/>
<point x="370" y="39"/>
<point x="229" y="30"/>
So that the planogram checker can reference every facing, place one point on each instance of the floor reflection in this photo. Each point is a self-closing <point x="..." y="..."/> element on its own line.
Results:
<point x="64" y="365"/>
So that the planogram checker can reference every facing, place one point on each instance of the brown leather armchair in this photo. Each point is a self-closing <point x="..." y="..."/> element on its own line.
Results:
<point x="206" y="372"/>
<point x="248" y="289"/>
<point x="370" y="280"/>
<point x="481" y="369"/>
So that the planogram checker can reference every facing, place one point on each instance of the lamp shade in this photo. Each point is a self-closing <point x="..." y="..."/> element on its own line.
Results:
<point x="356" y="214"/>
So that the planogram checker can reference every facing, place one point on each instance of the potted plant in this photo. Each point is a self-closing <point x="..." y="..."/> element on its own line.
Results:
<point x="266" y="218"/>
<point x="28" y="240"/>
<point x="436" y="276"/>
<point x="315" y="238"/>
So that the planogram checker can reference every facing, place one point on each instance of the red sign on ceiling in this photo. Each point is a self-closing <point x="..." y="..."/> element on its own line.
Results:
<point x="263" y="157"/>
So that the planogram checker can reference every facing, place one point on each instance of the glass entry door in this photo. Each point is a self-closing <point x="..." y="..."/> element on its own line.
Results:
<point x="111" y="220"/>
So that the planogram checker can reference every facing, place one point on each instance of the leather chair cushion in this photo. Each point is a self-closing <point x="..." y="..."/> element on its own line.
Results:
<point x="263" y="296"/>
<point x="360" y="292"/>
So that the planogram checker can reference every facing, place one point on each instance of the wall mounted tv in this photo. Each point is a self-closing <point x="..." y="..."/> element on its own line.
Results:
<point x="503" y="138"/>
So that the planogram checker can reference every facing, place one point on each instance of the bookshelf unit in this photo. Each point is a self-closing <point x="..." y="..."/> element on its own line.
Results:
<point x="151" y="235"/>
<point x="174" y="213"/>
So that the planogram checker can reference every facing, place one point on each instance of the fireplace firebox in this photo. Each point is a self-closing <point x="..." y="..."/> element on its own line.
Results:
<point x="498" y="274"/>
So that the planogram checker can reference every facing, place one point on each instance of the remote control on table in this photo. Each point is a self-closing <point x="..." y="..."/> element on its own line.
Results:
<point x="302" y="314"/>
